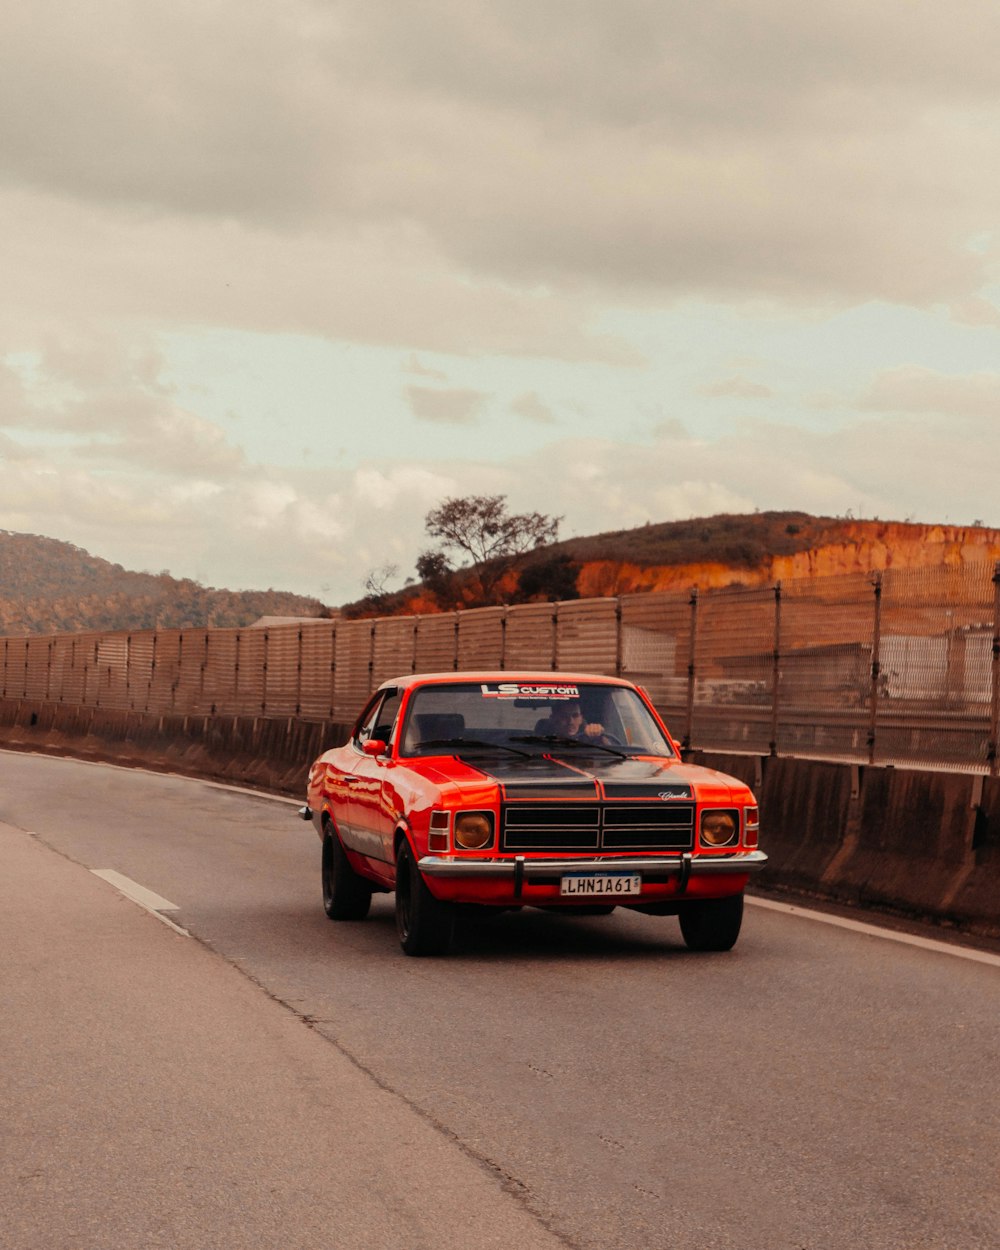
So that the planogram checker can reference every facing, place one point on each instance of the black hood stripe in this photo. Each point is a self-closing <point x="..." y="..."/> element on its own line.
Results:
<point x="547" y="777"/>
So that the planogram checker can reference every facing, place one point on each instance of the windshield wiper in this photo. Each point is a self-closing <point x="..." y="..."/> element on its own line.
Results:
<point x="586" y="743"/>
<point x="473" y="742"/>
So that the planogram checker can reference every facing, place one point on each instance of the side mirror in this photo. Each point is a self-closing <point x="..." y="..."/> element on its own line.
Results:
<point x="374" y="746"/>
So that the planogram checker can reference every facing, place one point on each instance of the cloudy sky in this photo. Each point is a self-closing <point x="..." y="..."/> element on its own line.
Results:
<point x="275" y="279"/>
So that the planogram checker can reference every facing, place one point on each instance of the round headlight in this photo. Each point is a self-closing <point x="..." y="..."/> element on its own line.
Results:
<point x="473" y="830"/>
<point x="718" y="828"/>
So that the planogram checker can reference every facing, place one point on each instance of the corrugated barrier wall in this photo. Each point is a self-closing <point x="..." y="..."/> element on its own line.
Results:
<point x="900" y="667"/>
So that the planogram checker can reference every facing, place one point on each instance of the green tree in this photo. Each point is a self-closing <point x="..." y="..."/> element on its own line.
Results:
<point x="435" y="571"/>
<point x="554" y="578"/>
<point x="480" y="527"/>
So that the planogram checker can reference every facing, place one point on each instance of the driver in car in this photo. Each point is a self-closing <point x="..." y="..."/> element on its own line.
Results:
<point x="565" y="720"/>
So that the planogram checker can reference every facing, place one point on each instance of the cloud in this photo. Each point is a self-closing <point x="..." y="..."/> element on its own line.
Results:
<point x="736" y="388"/>
<point x="789" y="151"/>
<point x="81" y="264"/>
<point x="793" y="152"/>
<point x="918" y="390"/>
<point x="108" y="408"/>
<point x="420" y="370"/>
<point x="12" y="450"/>
<point x="255" y="526"/>
<point x="169" y="442"/>
<point x="451" y="407"/>
<point x="976" y="311"/>
<point x="532" y="408"/>
<point x="464" y="180"/>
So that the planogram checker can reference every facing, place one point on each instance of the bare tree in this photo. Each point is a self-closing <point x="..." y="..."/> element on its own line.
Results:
<point x="481" y="528"/>
<point x="376" y="587"/>
<point x="377" y="579"/>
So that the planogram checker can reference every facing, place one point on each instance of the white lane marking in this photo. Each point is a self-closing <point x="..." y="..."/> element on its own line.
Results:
<point x="159" y="772"/>
<point x="891" y="935"/>
<point x="133" y="890"/>
<point x="149" y="901"/>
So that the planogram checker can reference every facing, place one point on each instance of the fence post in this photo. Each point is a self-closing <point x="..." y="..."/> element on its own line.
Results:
<point x="333" y="671"/>
<point x="555" y="635"/>
<point x="458" y="620"/>
<point x="263" y="673"/>
<point x="692" y="643"/>
<point x="991" y="753"/>
<point x="776" y="669"/>
<point x="371" y="654"/>
<point x="619" y="658"/>
<point x="298" y="677"/>
<point x="180" y="669"/>
<point x="503" y="639"/>
<point x="876" y="667"/>
<point x="236" y="674"/>
<point x="416" y="639"/>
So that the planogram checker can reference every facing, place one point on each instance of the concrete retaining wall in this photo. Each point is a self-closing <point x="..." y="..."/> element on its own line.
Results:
<point x="920" y="843"/>
<point x="251" y="751"/>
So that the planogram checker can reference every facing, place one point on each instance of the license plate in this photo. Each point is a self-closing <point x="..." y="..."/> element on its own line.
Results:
<point x="600" y="885"/>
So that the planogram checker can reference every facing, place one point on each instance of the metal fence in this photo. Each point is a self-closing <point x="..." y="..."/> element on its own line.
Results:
<point x="900" y="667"/>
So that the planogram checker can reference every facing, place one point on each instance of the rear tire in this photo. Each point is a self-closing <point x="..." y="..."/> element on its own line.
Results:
<point x="424" y="924"/>
<point x="712" y="924"/>
<point x="346" y="894"/>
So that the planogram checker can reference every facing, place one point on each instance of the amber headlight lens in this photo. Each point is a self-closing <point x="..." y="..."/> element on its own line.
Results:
<point x="718" y="828"/>
<point x="473" y="830"/>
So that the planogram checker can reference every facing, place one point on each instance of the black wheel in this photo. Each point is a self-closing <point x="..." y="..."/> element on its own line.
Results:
<point x="346" y="895"/>
<point x="425" y="925"/>
<point x="712" y="924"/>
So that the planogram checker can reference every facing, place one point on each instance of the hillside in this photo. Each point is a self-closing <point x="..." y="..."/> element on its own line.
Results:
<point x="751" y="550"/>
<point x="762" y="548"/>
<point x="47" y="586"/>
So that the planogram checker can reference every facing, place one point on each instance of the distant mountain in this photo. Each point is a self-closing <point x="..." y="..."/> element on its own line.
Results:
<point x="48" y="587"/>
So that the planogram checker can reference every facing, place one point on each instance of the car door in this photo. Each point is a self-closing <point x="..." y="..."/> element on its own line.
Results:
<point x="369" y="816"/>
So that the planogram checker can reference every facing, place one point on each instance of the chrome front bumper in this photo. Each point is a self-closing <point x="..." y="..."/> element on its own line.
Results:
<point x="519" y="868"/>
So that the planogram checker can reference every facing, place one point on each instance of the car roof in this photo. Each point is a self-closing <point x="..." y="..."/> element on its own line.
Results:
<point x="452" y="677"/>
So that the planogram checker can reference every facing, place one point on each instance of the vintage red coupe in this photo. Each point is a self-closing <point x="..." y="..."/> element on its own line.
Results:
<point x="558" y="790"/>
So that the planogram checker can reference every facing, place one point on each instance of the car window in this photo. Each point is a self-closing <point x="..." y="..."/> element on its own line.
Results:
<point x="378" y="717"/>
<point x="385" y="719"/>
<point x="525" y="713"/>
<point x="366" y="722"/>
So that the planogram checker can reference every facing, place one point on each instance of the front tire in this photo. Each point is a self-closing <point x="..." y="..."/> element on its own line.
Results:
<point x="712" y="924"/>
<point x="424" y="924"/>
<point x="346" y="895"/>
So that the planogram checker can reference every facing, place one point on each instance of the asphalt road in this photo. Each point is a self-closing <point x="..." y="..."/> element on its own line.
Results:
<point x="276" y="1079"/>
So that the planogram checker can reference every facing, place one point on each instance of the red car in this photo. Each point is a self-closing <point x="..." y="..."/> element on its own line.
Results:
<point x="506" y="790"/>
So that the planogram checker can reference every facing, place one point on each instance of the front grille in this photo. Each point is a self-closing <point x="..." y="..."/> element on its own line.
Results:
<point x="551" y="827"/>
<point x="597" y="826"/>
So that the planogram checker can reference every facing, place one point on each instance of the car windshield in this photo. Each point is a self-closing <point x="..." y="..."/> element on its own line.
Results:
<point x="530" y="715"/>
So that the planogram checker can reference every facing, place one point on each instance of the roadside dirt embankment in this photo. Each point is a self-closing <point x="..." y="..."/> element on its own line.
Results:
<point x="919" y="843"/>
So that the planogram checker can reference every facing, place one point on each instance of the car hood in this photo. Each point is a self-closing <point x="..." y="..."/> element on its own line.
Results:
<point x="567" y="776"/>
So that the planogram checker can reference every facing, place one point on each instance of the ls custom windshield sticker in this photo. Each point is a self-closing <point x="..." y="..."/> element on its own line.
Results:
<point x="529" y="690"/>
